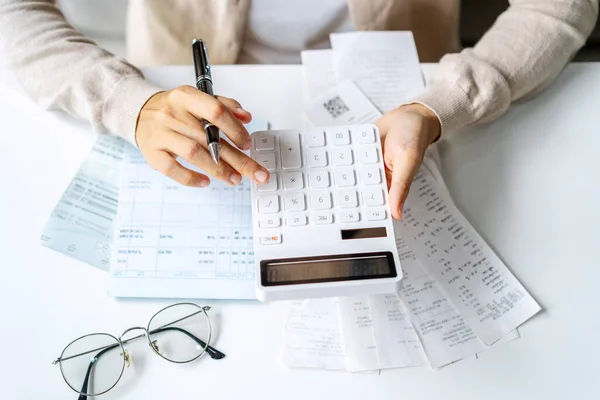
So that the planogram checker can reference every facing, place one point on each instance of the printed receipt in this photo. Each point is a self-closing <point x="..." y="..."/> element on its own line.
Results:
<point x="312" y="336"/>
<point x="384" y="65"/>
<point x="378" y="334"/>
<point x="343" y="104"/>
<point x="444" y="334"/>
<point x="83" y="221"/>
<point x="359" y="334"/>
<point x="394" y="328"/>
<point x="356" y="334"/>
<point x="467" y="271"/>
<point x="319" y="76"/>
<point x="419" y="326"/>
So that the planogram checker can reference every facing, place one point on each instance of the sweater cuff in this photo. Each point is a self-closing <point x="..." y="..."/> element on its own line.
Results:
<point x="450" y="103"/>
<point x="122" y="109"/>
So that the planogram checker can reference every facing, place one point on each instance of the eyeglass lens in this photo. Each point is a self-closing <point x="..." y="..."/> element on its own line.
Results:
<point x="93" y="364"/>
<point x="180" y="333"/>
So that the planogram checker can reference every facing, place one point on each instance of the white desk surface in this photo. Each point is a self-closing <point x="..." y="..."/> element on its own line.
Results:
<point x="528" y="182"/>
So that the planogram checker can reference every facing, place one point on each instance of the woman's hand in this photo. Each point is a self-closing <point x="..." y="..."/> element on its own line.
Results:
<point x="406" y="132"/>
<point x="169" y="126"/>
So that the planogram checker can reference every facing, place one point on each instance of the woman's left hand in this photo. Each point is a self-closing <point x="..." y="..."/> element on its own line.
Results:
<point x="406" y="132"/>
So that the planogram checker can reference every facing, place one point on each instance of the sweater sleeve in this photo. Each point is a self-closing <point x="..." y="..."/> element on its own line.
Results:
<point x="525" y="49"/>
<point x="61" y="69"/>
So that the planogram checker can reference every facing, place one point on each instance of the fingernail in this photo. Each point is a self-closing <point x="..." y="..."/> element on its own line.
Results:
<point x="261" y="176"/>
<point x="241" y="110"/>
<point x="204" y="183"/>
<point x="235" y="178"/>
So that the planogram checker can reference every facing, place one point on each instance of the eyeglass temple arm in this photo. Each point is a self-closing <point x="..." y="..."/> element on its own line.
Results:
<point x="89" y="370"/>
<point x="212" y="352"/>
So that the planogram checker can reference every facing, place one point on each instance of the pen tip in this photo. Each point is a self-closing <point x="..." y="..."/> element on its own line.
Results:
<point x="215" y="151"/>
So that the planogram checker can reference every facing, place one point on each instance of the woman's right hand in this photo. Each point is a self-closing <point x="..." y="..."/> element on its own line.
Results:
<point x="169" y="127"/>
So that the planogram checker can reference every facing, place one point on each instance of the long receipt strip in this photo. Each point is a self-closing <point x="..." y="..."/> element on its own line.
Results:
<point x="469" y="273"/>
<point x="378" y="334"/>
<point x="179" y="242"/>
<point x="82" y="223"/>
<point x="420" y="326"/>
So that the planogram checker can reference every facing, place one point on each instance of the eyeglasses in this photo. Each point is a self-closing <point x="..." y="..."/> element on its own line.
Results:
<point x="93" y="364"/>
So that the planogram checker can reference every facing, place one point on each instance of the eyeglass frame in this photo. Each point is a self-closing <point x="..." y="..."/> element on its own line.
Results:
<point x="212" y="352"/>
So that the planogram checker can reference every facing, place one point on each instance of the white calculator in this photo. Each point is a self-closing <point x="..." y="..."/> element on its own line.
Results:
<point x="322" y="224"/>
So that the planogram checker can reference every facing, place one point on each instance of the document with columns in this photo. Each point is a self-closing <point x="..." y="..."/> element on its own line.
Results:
<point x="173" y="241"/>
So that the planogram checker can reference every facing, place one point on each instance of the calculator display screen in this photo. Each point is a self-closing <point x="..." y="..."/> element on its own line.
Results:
<point x="344" y="267"/>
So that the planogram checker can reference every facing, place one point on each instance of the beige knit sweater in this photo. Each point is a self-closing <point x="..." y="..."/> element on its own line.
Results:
<point x="526" y="48"/>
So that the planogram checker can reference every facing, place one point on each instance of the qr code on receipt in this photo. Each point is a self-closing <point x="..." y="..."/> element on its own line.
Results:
<point x="336" y="107"/>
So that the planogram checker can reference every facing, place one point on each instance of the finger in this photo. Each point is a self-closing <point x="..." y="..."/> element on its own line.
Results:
<point x="388" y="176"/>
<point x="204" y="106"/>
<point x="192" y="128"/>
<point x="187" y="125"/>
<point x="196" y="154"/>
<point x="236" y="108"/>
<point x="383" y="126"/>
<point x="164" y="163"/>
<point x="244" y="164"/>
<point x="406" y="164"/>
<point x="235" y="158"/>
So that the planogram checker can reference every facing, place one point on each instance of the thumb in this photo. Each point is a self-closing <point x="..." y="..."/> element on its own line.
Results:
<point x="405" y="165"/>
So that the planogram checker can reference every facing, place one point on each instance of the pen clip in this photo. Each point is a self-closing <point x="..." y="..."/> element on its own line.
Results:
<point x="207" y="58"/>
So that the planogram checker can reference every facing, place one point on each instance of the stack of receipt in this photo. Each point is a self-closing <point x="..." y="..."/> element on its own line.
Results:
<point x="457" y="297"/>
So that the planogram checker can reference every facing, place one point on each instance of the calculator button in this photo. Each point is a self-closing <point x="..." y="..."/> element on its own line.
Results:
<point x="338" y="137"/>
<point x="316" y="158"/>
<point x="289" y="144"/>
<point x="296" y="220"/>
<point x="349" y="216"/>
<point x="323" y="218"/>
<point x="269" y="222"/>
<point x="267" y="160"/>
<point x="343" y="157"/>
<point x="373" y="197"/>
<point x="295" y="202"/>
<point x="344" y="177"/>
<point x="347" y="198"/>
<point x="263" y="141"/>
<point x="370" y="176"/>
<point x="268" y="204"/>
<point x="293" y="180"/>
<point x="315" y="138"/>
<point x="363" y="134"/>
<point x="320" y="201"/>
<point x="270" y="239"/>
<point x="318" y="179"/>
<point x="375" y="214"/>
<point x="270" y="186"/>
<point x="367" y="155"/>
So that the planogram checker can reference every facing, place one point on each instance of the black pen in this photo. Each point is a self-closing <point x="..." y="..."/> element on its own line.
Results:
<point x="204" y="83"/>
